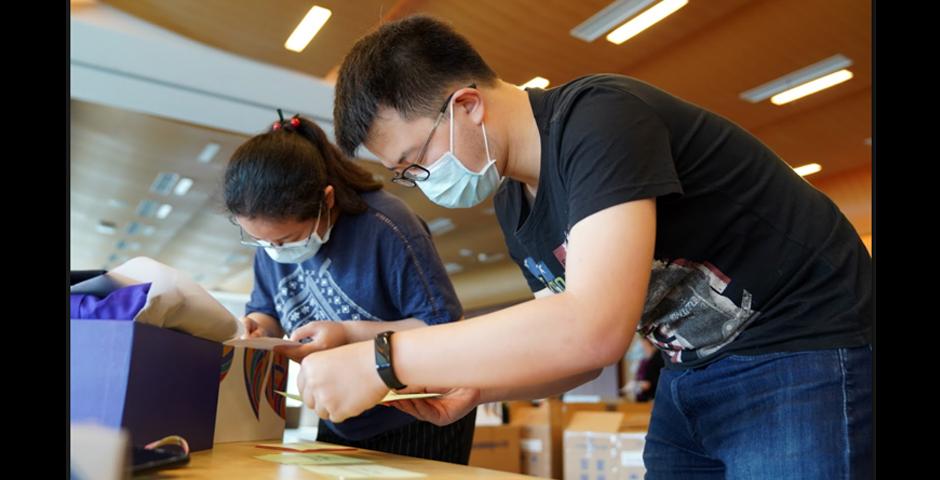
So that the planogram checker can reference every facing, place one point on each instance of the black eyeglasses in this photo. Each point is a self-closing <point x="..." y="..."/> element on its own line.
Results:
<point x="413" y="173"/>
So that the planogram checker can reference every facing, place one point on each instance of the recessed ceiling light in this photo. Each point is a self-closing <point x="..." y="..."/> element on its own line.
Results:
<point x="147" y="208"/>
<point x="183" y="186"/>
<point x="440" y="226"/>
<point x="164" y="183"/>
<point x="106" y="227"/>
<point x="490" y="258"/>
<point x="164" y="211"/>
<point x="208" y="152"/>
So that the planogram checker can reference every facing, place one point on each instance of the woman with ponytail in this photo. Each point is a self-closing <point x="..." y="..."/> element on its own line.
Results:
<point x="339" y="261"/>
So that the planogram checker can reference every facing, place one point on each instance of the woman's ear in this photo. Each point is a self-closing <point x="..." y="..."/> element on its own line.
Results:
<point x="329" y="196"/>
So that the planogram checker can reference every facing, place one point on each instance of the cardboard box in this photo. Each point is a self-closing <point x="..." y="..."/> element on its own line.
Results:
<point x="568" y="409"/>
<point x="248" y="408"/>
<point x="644" y="408"/>
<point x="537" y="447"/>
<point x="543" y="426"/>
<point x="496" y="447"/>
<point x="149" y="380"/>
<point x="603" y="446"/>
<point x="631" y="455"/>
<point x="590" y="444"/>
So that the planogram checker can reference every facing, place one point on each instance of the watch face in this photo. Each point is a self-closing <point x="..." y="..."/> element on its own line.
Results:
<point x="382" y="357"/>
<point x="381" y="360"/>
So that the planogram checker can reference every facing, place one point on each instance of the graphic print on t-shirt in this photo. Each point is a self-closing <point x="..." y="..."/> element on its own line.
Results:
<point x="545" y="275"/>
<point x="541" y="271"/>
<point x="685" y="313"/>
<point x="305" y="296"/>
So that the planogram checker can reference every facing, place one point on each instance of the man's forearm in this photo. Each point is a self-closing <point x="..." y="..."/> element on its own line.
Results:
<point x="533" y="392"/>
<point x="536" y="342"/>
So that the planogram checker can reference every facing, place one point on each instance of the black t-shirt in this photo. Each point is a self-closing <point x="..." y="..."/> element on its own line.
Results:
<point x="749" y="257"/>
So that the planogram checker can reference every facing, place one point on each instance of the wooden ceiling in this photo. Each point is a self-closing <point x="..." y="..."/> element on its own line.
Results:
<point x="707" y="53"/>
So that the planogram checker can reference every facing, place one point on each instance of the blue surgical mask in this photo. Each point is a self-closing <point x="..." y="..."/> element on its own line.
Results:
<point x="451" y="185"/>
<point x="302" y="250"/>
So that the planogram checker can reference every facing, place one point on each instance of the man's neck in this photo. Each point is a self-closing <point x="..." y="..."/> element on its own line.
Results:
<point x="510" y="107"/>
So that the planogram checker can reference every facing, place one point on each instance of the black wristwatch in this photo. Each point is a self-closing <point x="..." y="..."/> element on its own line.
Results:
<point x="383" y="360"/>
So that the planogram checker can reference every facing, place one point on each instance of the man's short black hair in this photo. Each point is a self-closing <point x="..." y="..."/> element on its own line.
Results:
<point x="409" y="65"/>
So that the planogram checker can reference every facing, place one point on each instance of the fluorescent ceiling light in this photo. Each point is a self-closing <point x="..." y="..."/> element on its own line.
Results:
<point x="645" y="20"/>
<point x="608" y="18"/>
<point x="537" y="82"/>
<point x="810" y="88"/>
<point x="808" y="169"/>
<point x="790" y="81"/>
<point x="308" y="27"/>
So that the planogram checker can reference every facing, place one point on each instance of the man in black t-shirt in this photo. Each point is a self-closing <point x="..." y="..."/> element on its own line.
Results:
<point x="628" y="210"/>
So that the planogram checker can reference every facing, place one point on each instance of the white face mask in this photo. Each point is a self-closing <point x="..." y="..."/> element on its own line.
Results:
<point x="302" y="250"/>
<point x="450" y="184"/>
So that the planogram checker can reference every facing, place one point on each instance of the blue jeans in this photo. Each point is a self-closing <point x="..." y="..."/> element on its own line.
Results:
<point x="797" y="415"/>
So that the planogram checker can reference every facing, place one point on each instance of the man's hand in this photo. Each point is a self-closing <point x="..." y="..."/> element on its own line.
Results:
<point x="341" y="382"/>
<point x="443" y="410"/>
